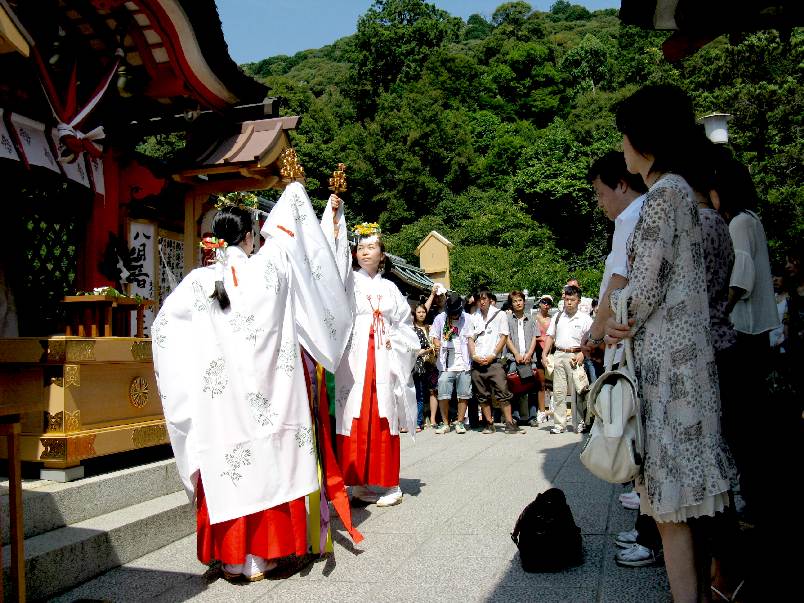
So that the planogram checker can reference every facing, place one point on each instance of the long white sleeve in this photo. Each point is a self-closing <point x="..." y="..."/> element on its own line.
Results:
<point x="340" y="243"/>
<point x="322" y="310"/>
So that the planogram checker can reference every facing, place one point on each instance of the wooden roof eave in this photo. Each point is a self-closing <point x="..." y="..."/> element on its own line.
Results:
<point x="13" y="36"/>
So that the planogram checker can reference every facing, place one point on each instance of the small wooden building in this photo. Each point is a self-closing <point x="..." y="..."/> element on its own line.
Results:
<point x="433" y="254"/>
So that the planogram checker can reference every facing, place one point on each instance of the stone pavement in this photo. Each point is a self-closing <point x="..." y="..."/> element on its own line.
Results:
<point x="448" y="541"/>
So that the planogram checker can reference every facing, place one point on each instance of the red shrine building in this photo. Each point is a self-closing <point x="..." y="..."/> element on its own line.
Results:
<point x="120" y="121"/>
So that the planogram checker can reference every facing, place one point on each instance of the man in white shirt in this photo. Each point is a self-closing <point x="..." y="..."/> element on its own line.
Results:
<point x="450" y="334"/>
<point x="488" y="375"/>
<point x="620" y="195"/>
<point x="567" y="330"/>
<point x="585" y="305"/>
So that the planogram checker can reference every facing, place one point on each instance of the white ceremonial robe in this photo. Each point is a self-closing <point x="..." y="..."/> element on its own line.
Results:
<point x="396" y="394"/>
<point x="232" y="383"/>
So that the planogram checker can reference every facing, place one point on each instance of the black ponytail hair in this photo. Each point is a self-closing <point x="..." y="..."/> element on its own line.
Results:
<point x="231" y="224"/>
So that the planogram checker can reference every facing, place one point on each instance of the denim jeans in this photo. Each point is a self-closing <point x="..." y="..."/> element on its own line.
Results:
<point x="422" y="383"/>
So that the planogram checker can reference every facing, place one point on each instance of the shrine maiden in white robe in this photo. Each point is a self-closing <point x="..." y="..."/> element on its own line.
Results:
<point x="396" y="394"/>
<point x="232" y="383"/>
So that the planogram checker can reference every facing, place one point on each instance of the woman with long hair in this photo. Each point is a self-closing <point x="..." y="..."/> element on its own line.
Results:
<point x="226" y="349"/>
<point x="424" y="369"/>
<point x="687" y="471"/>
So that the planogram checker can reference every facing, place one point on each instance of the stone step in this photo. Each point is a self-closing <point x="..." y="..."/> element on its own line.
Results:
<point x="65" y="557"/>
<point x="50" y="505"/>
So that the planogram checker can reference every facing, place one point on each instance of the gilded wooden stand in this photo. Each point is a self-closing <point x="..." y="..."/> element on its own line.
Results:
<point x="100" y="395"/>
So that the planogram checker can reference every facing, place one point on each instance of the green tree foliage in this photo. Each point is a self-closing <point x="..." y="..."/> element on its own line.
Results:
<point x="484" y="130"/>
<point x="393" y="42"/>
<point x="562" y="10"/>
<point x="511" y="13"/>
<point x="586" y="64"/>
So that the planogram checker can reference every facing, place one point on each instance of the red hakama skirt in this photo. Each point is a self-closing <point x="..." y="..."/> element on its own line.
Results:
<point x="370" y="455"/>
<point x="276" y="532"/>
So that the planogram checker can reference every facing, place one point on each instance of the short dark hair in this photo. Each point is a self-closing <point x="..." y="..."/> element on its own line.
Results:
<point x="483" y="290"/>
<point x="611" y="169"/>
<point x="659" y="120"/>
<point x="515" y="293"/>
<point x="733" y="184"/>
<point x="572" y="290"/>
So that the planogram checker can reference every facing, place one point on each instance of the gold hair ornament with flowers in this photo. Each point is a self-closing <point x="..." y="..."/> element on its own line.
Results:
<point x="367" y="229"/>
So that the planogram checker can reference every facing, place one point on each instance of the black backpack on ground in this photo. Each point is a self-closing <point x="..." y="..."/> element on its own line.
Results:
<point x="546" y="534"/>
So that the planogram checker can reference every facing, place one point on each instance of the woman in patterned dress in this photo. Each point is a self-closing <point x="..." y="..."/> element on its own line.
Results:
<point x="687" y="470"/>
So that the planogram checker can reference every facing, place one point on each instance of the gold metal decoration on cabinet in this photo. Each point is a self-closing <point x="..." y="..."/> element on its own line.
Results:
<point x="141" y="351"/>
<point x="138" y="392"/>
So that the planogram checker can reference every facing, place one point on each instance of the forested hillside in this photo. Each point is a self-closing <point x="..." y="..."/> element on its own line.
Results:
<point x="483" y="130"/>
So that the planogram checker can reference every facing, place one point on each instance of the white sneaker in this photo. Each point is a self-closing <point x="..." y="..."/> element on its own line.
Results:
<point x="581" y="427"/>
<point x="557" y="429"/>
<point x="630" y="500"/>
<point x="392" y="496"/>
<point x="541" y="416"/>
<point x="624" y="540"/>
<point x="636" y="556"/>
<point x="364" y="494"/>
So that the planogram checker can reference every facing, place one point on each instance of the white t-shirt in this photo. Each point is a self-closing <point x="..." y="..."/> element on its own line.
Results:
<point x="488" y="335"/>
<point x="617" y="260"/>
<point x="520" y="331"/>
<point x="571" y="329"/>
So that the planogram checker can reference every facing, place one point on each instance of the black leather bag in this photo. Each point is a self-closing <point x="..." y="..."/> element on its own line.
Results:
<point x="546" y="535"/>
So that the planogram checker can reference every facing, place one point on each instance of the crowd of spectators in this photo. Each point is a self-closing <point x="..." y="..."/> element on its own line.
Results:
<point x="481" y="365"/>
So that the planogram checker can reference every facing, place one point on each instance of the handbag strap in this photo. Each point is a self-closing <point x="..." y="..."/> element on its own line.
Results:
<point x="558" y="318"/>
<point x="628" y="366"/>
<point x="492" y="317"/>
<point x="621" y="316"/>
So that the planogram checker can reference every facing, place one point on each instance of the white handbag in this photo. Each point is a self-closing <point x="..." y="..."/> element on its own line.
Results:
<point x="615" y="446"/>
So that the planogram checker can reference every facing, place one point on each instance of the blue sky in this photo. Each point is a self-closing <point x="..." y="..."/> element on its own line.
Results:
<point x="255" y="29"/>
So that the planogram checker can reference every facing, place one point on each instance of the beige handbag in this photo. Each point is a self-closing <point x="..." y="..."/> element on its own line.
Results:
<point x="615" y="446"/>
<point x="549" y="364"/>
<point x="580" y="379"/>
